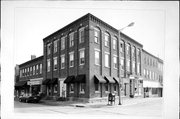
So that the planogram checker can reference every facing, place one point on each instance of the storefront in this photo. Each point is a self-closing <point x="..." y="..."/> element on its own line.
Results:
<point x="35" y="86"/>
<point x="21" y="88"/>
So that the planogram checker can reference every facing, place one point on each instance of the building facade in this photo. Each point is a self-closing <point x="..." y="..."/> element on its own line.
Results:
<point x="30" y="77"/>
<point x="86" y="60"/>
<point x="153" y="74"/>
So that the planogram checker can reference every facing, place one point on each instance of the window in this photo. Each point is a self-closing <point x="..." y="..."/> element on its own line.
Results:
<point x="149" y="74"/>
<point x="71" y="88"/>
<point x="34" y="69"/>
<point x="48" y="65"/>
<point x="37" y="69"/>
<point x="82" y="87"/>
<point x="81" y="56"/>
<point x="97" y="57"/>
<point x="138" y="55"/>
<point x="62" y="61"/>
<point x="114" y="43"/>
<point x="128" y="65"/>
<point x="128" y="49"/>
<point x="55" y="46"/>
<point x="48" y="48"/>
<point x="133" y="52"/>
<point x="63" y="43"/>
<point x="71" y="39"/>
<point x="133" y="66"/>
<point x="121" y="46"/>
<point x="115" y="88"/>
<point x="20" y="73"/>
<point x="122" y="63"/>
<point x="55" y="88"/>
<point x="138" y="68"/>
<point x="106" y="38"/>
<point x="115" y="62"/>
<point x="107" y="62"/>
<point x="71" y="59"/>
<point x="30" y="71"/>
<point x="40" y="69"/>
<point x="106" y="87"/>
<point x="96" y="87"/>
<point x="96" y="35"/>
<point x="55" y="63"/>
<point x="81" y="35"/>
<point x="144" y="60"/>
<point x="25" y="72"/>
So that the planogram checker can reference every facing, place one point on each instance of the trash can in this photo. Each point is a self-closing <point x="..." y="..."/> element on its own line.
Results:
<point x="111" y="98"/>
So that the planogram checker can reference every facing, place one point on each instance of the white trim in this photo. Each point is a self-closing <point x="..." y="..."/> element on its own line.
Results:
<point x="107" y="52"/>
<point x="81" y="49"/>
<point x="97" y="49"/>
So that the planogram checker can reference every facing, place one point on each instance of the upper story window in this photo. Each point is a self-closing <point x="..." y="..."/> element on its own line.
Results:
<point x="114" y="43"/>
<point x="106" y="39"/>
<point x="25" y="72"/>
<point x="133" y="52"/>
<point x="37" y="67"/>
<point x="48" y="48"/>
<point x="121" y="46"/>
<point x="81" y="35"/>
<point x="30" y="71"/>
<point x="34" y="70"/>
<point x="81" y="56"/>
<point x="107" y="59"/>
<point x="122" y="63"/>
<point x="71" y="59"/>
<point x="96" y="35"/>
<point x="63" y="43"/>
<point x="133" y="66"/>
<point x="62" y="61"/>
<point x="40" y="69"/>
<point x="71" y="39"/>
<point x="97" y="56"/>
<point x="138" y="68"/>
<point x="128" y="49"/>
<point x="48" y="65"/>
<point x="55" y="46"/>
<point x="144" y="60"/>
<point x="20" y="73"/>
<point x="115" y="62"/>
<point x="138" y="55"/>
<point x="128" y="65"/>
<point x="55" y="63"/>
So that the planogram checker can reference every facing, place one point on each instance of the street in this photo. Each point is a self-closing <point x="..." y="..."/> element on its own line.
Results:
<point x="150" y="107"/>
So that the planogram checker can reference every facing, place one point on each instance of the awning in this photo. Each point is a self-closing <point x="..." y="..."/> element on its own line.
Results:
<point x="99" y="79"/>
<point x="109" y="79"/>
<point x="116" y="79"/>
<point x="21" y="84"/>
<point x="81" y="78"/>
<point x="45" y="82"/>
<point x="53" y="81"/>
<point x="70" y="79"/>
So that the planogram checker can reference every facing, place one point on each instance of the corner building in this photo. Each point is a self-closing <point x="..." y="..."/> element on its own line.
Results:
<point x="85" y="60"/>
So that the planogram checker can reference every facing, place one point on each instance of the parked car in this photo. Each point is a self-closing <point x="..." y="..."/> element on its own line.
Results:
<point x="27" y="99"/>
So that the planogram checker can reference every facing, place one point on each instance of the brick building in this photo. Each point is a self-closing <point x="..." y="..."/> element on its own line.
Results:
<point x="152" y="73"/>
<point x="30" y="77"/>
<point x="85" y="59"/>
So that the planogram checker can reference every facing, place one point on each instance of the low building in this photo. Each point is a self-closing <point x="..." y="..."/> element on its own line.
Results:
<point x="30" y="77"/>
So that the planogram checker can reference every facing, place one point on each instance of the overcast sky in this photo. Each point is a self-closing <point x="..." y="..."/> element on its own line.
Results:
<point x="34" y="22"/>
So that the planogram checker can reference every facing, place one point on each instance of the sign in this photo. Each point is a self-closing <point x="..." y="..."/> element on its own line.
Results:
<point x="34" y="82"/>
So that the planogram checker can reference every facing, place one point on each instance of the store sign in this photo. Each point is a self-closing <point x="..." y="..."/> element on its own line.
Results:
<point x="34" y="82"/>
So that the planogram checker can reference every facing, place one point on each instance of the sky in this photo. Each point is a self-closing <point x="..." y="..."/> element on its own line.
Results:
<point x="25" y="24"/>
<point x="33" y="23"/>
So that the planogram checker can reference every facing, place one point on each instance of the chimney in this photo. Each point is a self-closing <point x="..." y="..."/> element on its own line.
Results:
<point x="33" y="57"/>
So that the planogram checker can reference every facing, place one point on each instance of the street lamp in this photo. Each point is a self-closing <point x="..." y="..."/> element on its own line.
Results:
<point x="119" y="37"/>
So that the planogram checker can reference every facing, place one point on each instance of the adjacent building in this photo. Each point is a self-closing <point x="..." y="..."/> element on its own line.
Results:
<point x="153" y="74"/>
<point x="30" y="77"/>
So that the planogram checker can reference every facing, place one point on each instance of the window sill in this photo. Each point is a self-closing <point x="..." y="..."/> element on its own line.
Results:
<point x="107" y="67"/>
<point x="97" y="65"/>
<point x="72" y="92"/>
<point x="97" y="91"/>
<point x="106" y="91"/>
<point x="82" y="92"/>
<point x="81" y="64"/>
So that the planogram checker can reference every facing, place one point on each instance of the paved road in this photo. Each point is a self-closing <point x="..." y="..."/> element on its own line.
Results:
<point x="150" y="108"/>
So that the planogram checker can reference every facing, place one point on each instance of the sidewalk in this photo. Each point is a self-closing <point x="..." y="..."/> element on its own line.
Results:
<point x="124" y="101"/>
